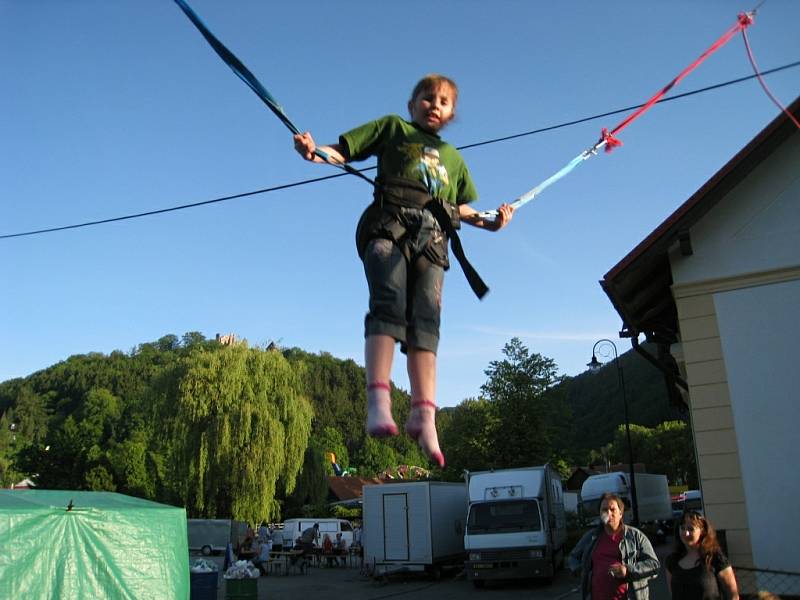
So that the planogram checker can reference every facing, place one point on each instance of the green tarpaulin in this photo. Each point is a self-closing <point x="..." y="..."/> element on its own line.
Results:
<point x="106" y="545"/>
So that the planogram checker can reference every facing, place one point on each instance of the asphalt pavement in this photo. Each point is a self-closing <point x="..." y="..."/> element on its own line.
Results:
<point x="338" y="582"/>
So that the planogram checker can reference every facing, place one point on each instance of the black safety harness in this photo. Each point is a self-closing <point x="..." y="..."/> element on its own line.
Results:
<point x="380" y="220"/>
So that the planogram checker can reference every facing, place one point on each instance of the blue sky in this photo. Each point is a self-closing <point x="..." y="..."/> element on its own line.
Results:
<point x="113" y="108"/>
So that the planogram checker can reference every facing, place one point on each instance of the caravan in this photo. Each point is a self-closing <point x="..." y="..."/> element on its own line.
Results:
<point x="414" y="526"/>
<point x="211" y="536"/>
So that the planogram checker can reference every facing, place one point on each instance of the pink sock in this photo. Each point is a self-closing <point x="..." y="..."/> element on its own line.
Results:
<point x="379" y="410"/>
<point x="421" y="426"/>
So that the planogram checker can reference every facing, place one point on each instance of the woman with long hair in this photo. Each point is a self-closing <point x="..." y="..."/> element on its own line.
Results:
<point x="697" y="569"/>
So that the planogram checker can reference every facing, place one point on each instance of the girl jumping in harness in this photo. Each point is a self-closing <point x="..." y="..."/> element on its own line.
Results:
<point x="422" y="193"/>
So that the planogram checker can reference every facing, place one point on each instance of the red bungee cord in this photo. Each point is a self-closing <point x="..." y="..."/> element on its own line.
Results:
<point x="764" y="83"/>
<point x="742" y="22"/>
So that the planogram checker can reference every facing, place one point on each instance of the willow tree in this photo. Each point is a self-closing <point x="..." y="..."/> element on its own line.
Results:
<point x="241" y="427"/>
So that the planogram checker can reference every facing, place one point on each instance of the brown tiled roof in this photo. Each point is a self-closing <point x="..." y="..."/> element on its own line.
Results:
<point x="347" y="488"/>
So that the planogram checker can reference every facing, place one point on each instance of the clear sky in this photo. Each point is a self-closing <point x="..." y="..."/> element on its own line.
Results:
<point x="113" y="108"/>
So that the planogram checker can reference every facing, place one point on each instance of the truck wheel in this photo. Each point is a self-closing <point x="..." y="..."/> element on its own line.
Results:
<point x="206" y="550"/>
<point x="478" y="583"/>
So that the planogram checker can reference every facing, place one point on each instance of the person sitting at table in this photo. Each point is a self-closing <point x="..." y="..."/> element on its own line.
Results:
<point x="340" y="548"/>
<point x="261" y="560"/>
<point x="327" y="549"/>
<point x="299" y="554"/>
<point x="246" y="550"/>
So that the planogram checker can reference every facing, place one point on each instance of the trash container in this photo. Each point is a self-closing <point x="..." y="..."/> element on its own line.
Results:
<point x="203" y="586"/>
<point x="241" y="589"/>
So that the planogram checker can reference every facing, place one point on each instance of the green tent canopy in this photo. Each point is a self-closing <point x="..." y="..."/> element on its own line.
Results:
<point x="71" y="544"/>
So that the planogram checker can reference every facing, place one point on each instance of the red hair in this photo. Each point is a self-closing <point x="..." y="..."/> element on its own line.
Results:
<point x="709" y="545"/>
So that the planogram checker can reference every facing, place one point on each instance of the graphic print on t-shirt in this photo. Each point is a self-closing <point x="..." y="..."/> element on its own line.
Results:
<point x="432" y="172"/>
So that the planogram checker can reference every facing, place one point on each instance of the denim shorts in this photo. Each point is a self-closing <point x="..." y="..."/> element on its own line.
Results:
<point x="405" y="295"/>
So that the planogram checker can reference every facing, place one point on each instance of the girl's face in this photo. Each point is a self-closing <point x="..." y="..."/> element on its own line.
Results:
<point x="433" y="109"/>
<point x="691" y="532"/>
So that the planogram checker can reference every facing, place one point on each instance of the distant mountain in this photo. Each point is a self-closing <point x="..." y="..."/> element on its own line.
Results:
<point x="595" y="399"/>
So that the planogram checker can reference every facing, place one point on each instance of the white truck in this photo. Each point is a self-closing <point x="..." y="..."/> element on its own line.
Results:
<point x="652" y="495"/>
<point x="413" y="526"/>
<point x="516" y="526"/>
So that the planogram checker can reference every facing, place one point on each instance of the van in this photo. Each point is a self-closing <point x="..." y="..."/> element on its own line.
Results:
<point x="693" y="500"/>
<point x="652" y="495"/>
<point x="292" y="528"/>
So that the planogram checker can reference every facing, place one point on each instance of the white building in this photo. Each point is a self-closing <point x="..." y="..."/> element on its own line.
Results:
<point x="717" y="287"/>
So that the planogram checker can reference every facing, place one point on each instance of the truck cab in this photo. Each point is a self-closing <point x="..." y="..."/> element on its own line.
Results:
<point x="516" y="526"/>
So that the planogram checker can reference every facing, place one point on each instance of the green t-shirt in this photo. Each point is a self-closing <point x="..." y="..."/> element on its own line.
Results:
<point x="405" y="150"/>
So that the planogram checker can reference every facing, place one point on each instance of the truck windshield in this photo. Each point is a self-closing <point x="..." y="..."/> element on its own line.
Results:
<point x="513" y="515"/>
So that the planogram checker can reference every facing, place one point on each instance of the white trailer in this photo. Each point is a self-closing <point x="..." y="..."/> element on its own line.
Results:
<point x="211" y="536"/>
<point x="414" y="526"/>
<point x="652" y="495"/>
<point x="516" y="526"/>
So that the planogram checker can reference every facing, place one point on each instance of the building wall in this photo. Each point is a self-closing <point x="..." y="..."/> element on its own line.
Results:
<point x="712" y="421"/>
<point x="738" y="337"/>
<point x="759" y="330"/>
<point x="737" y="297"/>
<point x="755" y="228"/>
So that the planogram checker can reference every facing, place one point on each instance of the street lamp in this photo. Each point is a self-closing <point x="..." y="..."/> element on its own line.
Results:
<point x="595" y="364"/>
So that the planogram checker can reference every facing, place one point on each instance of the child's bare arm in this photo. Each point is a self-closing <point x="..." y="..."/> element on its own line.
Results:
<point x="470" y="215"/>
<point x="305" y="146"/>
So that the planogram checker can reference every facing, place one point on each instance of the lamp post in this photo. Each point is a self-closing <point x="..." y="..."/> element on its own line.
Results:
<point x="595" y="364"/>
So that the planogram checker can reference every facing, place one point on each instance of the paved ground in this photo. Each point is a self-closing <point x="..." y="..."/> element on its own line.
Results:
<point x="347" y="583"/>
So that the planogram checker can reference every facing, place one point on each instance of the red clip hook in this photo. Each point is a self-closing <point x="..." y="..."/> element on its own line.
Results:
<point x="609" y="139"/>
<point x="745" y="19"/>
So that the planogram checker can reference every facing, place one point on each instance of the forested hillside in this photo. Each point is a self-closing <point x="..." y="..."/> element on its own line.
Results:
<point x="229" y="430"/>
<point x="595" y="399"/>
<point x="220" y="429"/>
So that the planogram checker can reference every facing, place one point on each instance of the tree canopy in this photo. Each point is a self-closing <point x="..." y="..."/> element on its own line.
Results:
<point x="242" y="424"/>
<point x="235" y="431"/>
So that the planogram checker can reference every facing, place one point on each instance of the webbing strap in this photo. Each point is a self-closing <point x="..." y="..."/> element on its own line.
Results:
<point x="475" y="282"/>
<point x="401" y="191"/>
<point x="243" y="73"/>
<point x="531" y="194"/>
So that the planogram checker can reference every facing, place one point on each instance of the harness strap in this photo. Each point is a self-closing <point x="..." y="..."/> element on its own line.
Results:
<point x="400" y="191"/>
<point x="475" y="282"/>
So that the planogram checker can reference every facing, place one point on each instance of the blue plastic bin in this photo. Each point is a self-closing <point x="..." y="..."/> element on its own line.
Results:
<point x="203" y="586"/>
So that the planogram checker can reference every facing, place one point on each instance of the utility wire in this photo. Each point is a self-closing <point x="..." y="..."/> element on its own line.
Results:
<point x="629" y="108"/>
<point x="327" y="177"/>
